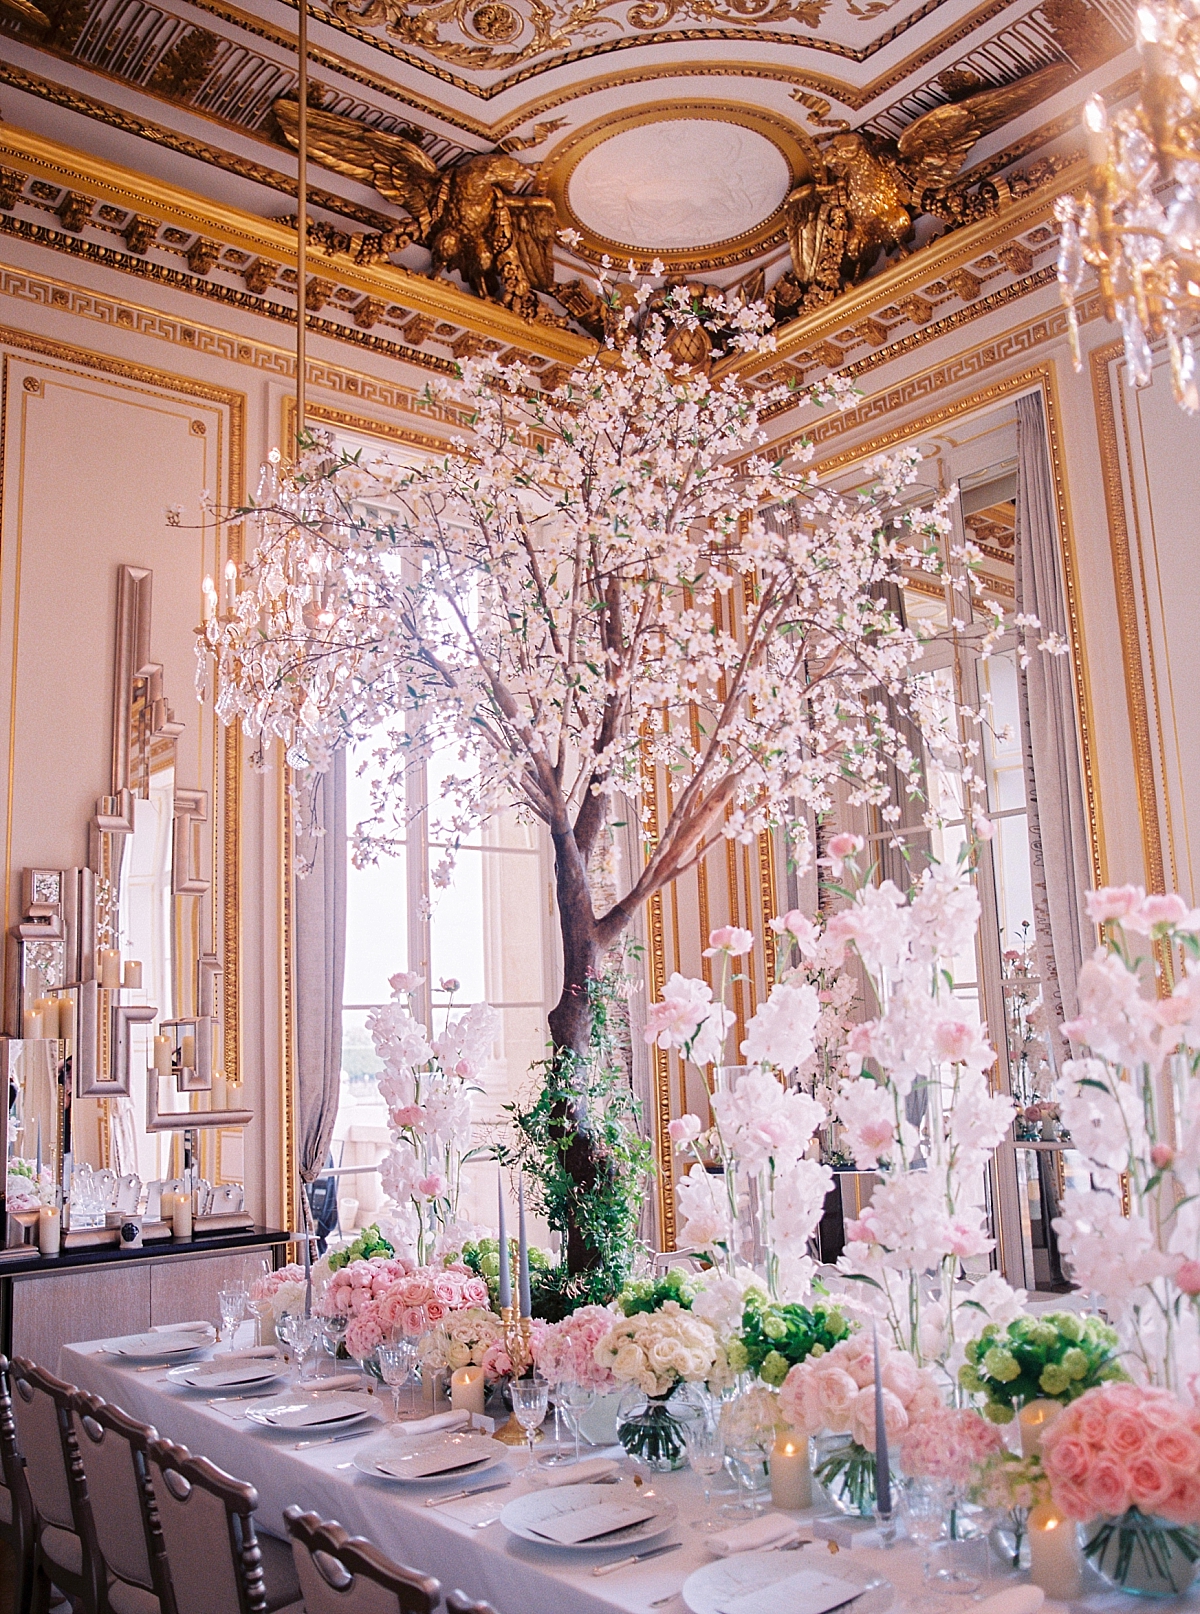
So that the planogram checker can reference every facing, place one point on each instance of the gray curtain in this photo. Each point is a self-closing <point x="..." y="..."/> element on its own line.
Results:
<point x="320" y="965"/>
<point x="1060" y="863"/>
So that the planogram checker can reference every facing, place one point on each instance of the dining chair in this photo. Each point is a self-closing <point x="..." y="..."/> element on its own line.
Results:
<point x="460" y="1603"/>
<point x="65" y="1553"/>
<point x="113" y="1448"/>
<point x="344" y="1574"/>
<point x="217" y="1562"/>
<point x="16" y="1508"/>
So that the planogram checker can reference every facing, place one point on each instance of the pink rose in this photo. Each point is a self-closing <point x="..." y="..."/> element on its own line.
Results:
<point x="409" y="1115"/>
<point x="729" y="939"/>
<point x="1093" y="1425"/>
<point x="1107" y="1487"/>
<point x="1073" y="1500"/>
<point x="1178" y="1447"/>
<point x="1183" y="1504"/>
<point x="1161" y="1156"/>
<point x="418" y="1291"/>
<point x="1187" y="1276"/>
<point x="1113" y="902"/>
<point x="435" y="1311"/>
<point x="412" y="1320"/>
<point x="446" y="1288"/>
<point x="1151" y="1483"/>
<point x="1067" y="1458"/>
<point x="1126" y="1434"/>
<point x="475" y="1292"/>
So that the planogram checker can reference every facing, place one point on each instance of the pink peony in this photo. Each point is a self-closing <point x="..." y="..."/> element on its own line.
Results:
<point x="729" y="939"/>
<point x="895" y="1417"/>
<point x="363" y="1335"/>
<point x="1114" y="902"/>
<point x="949" y="1445"/>
<point x="565" y="1352"/>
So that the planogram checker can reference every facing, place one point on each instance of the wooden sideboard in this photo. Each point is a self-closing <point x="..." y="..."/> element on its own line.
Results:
<point x="96" y="1294"/>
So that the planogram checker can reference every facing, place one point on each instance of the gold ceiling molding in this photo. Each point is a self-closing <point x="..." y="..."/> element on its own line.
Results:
<point x="258" y="237"/>
<point x="794" y="144"/>
<point x="212" y="341"/>
<point x="941" y="257"/>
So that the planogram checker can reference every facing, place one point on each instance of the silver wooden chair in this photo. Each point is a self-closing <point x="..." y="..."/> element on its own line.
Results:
<point x="65" y="1552"/>
<point x="217" y="1563"/>
<point x="113" y="1449"/>
<point x="344" y="1574"/>
<point x="16" y="1509"/>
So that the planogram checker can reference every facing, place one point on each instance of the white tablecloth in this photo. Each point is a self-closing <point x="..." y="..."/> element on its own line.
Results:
<point x="516" y="1576"/>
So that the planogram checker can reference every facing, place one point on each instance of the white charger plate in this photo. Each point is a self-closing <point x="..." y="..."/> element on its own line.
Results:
<point x="522" y="1515"/>
<point x="469" y="1455"/>
<point x="708" y="1588"/>
<point x="159" y="1347"/>
<point x="213" y="1376"/>
<point x="333" y="1411"/>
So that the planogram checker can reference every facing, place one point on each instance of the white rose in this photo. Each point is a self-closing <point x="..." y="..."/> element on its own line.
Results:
<point x="458" y="1355"/>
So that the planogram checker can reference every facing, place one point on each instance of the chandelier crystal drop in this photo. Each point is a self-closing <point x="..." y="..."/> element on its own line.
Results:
<point x="1138" y="224"/>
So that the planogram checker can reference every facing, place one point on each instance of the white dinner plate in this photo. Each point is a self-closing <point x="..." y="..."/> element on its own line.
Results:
<point x="709" y="1589"/>
<point x="159" y="1347"/>
<point x="319" y="1412"/>
<point x="523" y="1515"/>
<point x="460" y="1456"/>
<point x="221" y="1376"/>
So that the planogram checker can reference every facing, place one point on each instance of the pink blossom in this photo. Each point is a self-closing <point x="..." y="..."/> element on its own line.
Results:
<point x="684" y="1130"/>
<point x="412" y="1115"/>
<point x="1161" y="1155"/>
<point x="363" y="1335"/>
<point x="841" y="847"/>
<point x="729" y="939"/>
<point x="1114" y="902"/>
<point x="405" y="981"/>
<point x="1156" y="910"/>
<point x="982" y="824"/>
<point x="566" y="1351"/>
<point x="949" y="1445"/>
<point x="1187" y="1277"/>
<point x="433" y="1186"/>
<point x="797" y="924"/>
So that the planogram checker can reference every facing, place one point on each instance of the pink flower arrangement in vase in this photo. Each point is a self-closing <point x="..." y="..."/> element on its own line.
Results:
<point x="410" y="1304"/>
<point x="566" y="1352"/>
<point x="950" y="1444"/>
<point x="1125" y="1458"/>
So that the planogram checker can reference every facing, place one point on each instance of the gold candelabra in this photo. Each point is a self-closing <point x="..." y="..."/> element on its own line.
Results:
<point x="1138" y="224"/>
<point x="518" y="1343"/>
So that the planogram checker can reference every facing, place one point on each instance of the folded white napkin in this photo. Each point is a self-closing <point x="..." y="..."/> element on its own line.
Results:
<point x="1013" y="1600"/>
<point x="765" y="1531"/>
<point x="252" y="1353"/>
<point x="336" y="1381"/>
<point x="198" y="1327"/>
<point x="429" y="1426"/>
<point x="592" y="1471"/>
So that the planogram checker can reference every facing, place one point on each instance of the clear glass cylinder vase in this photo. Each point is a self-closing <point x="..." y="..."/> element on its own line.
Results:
<point x="846" y="1472"/>
<point x="1143" y="1554"/>
<point x="651" y="1431"/>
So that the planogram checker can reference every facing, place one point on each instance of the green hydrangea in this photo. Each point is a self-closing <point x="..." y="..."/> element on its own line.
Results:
<point x="775" y="1336"/>
<point x="1001" y="1364"/>
<point x="1054" y="1378"/>
<point x="774" y="1369"/>
<point x="998" y="1412"/>
<point x="1075" y="1362"/>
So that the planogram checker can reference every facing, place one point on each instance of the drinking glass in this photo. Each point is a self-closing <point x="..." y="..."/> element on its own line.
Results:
<point x="285" y="1325"/>
<point x="306" y="1336"/>
<point x="705" y="1442"/>
<point x="530" y="1398"/>
<point x="333" y="1332"/>
<point x="232" y="1305"/>
<point x="748" y="1425"/>
<point x="395" y="1363"/>
<point x="575" y="1399"/>
<point x="924" y="1505"/>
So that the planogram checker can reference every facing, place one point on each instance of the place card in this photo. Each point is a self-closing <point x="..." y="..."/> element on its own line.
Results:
<point x="809" y="1592"/>
<point x="587" y="1524"/>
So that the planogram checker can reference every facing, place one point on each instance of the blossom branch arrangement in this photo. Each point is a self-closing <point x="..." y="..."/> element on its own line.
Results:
<point x="1131" y="1102"/>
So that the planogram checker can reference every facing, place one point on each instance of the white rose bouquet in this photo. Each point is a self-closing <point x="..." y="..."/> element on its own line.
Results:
<point x="658" y="1350"/>
<point x="461" y="1339"/>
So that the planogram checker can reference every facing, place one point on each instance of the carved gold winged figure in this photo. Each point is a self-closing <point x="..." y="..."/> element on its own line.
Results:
<point x="471" y="217"/>
<point x="872" y="191"/>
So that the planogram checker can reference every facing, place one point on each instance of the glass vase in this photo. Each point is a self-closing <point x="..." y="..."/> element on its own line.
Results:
<point x="651" y="1431"/>
<point x="846" y="1471"/>
<point x="1145" y="1555"/>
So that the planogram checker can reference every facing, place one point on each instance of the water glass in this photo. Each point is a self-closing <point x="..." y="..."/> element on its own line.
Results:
<point x="705" y="1442"/>
<point x="748" y="1424"/>
<point x="395" y="1363"/>
<point x="306" y="1336"/>
<point x="232" y="1305"/>
<point x="574" y="1399"/>
<point x="530" y="1399"/>
<point x="285" y="1325"/>
<point x="333" y="1333"/>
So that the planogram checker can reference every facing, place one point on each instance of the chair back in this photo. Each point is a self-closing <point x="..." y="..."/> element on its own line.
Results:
<point x="205" y="1516"/>
<point x="113" y="1450"/>
<point x="19" y="1528"/>
<point x="40" y="1405"/>
<point x="344" y="1574"/>
<point x="460" y="1603"/>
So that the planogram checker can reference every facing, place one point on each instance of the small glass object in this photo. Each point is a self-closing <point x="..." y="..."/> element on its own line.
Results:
<point x="231" y="1303"/>
<point x="530" y="1399"/>
<point x="306" y="1336"/>
<point x="705" y="1441"/>
<point x="574" y="1399"/>
<point x="395" y="1362"/>
<point x="924" y="1507"/>
<point x="285" y="1325"/>
<point x="333" y="1334"/>
<point x="748" y="1424"/>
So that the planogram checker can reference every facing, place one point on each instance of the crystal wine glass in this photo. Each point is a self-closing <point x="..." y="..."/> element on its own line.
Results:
<point x="575" y="1399"/>
<point x="923" y="1504"/>
<point x="395" y="1362"/>
<point x="333" y="1333"/>
<point x="285" y="1325"/>
<point x="306" y="1335"/>
<point x="530" y="1398"/>
<point x="705" y="1442"/>
<point x="231" y="1303"/>
<point x="748" y="1424"/>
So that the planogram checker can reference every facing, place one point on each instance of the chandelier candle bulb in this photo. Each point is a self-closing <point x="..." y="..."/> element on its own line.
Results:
<point x="1055" y="1561"/>
<point x="208" y="596"/>
<point x="1034" y="1419"/>
<point x="505" y="1297"/>
<point x="883" y="1474"/>
<point x="523" y="1296"/>
<point x="467" y="1390"/>
<point x="131" y="975"/>
<point x="791" y="1476"/>
<point x="230" y="584"/>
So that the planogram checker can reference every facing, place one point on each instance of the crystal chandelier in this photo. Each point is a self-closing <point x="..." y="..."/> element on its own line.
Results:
<point x="1138" y="225"/>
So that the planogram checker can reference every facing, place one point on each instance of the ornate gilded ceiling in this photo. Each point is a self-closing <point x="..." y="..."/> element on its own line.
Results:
<point x="796" y="148"/>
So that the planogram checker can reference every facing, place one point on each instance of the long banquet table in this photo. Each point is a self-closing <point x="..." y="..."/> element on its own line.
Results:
<point x="516" y="1576"/>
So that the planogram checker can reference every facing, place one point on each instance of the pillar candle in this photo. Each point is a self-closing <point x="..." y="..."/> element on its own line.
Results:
<point x="791" y="1477"/>
<point x="1055" y="1562"/>
<point x="66" y="1016"/>
<point x="49" y="1229"/>
<point x="162" y="1055"/>
<point x="523" y="1297"/>
<point x="166" y="1207"/>
<point x="467" y="1390"/>
<point x="181" y="1216"/>
<point x="188" y="1053"/>
<point x="219" y="1092"/>
<point x="1033" y="1420"/>
<point x="505" y="1270"/>
<point x="31" y="1024"/>
<point x="883" y="1473"/>
<point x="110" y="967"/>
<point x="47" y="1011"/>
<point x="131" y="976"/>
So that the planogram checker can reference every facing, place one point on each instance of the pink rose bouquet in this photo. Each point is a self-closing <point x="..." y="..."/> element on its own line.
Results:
<point x="401" y="1300"/>
<point x="352" y="1289"/>
<point x="950" y="1443"/>
<point x="566" y="1351"/>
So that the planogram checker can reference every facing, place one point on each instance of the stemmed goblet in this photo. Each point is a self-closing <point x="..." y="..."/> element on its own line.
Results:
<point x="705" y="1442"/>
<point x="530" y="1399"/>
<point x="575" y="1399"/>
<point x="231" y="1303"/>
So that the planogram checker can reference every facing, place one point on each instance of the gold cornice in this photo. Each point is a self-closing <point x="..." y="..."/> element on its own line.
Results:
<point x="259" y="237"/>
<point x="951" y="251"/>
<point x="1149" y="806"/>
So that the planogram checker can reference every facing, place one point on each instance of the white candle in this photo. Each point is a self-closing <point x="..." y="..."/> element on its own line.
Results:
<point x="132" y="975"/>
<point x="791" y="1477"/>
<point x="49" y="1228"/>
<point x="189" y="1051"/>
<point x="467" y="1390"/>
<point x="1033" y="1420"/>
<point x="31" y="1023"/>
<point x="230" y="584"/>
<point x="110" y="968"/>
<point x="166" y="1206"/>
<point x="1055" y="1562"/>
<point x="219" y="1092"/>
<point x="181" y="1215"/>
<point x="66" y="1016"/>
<point x="47" y="1010"/>
<point x="208" y="592"/>
<point x="162" y="1055"/>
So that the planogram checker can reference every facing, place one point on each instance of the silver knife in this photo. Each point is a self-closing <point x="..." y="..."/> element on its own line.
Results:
<point x="458" y="1496"/>
<point x="332" y="1440"/>
<point x="637" y="1558"/>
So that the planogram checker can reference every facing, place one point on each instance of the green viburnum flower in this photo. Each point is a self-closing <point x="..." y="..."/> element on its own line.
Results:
<point x="835" y="1323"/>
<point x="1054" y="1378"/>
<point x="817" y="1350"/>
<point x="775" y="1369"/>
<point x="1074" y="1362"/>
<point x="774" y="1326"/>
<point x="1044" y="1336"/>
<point x="737" y="1356"/>
<point x="998" y="1412"/>
<point x="969" y="1378"/>
<point x="1002" y="1364"/>
<point x="1070" y="1326"/>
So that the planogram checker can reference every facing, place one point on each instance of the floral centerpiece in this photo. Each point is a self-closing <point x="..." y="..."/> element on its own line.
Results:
<point x="367" y="1242"/>
<point x="273" y="1293"/>
<point x="1009" y="1484"/>
<point x="774" y="1336"/>
<point x="832" y="1396"/>
<point x="948" y="1444"/>
<point x="1125" y="1459"/>
<point x="483" y="1258"/>
<point x="565" y="1353"/>
<point x="463" y="1339"/>
<point x="648" y="1294"/>
<point x="409" y="1305"/>
<point x="1054" y="1357"/>
<point x="654" y="1352"/>
<point x="350" y="1290"/>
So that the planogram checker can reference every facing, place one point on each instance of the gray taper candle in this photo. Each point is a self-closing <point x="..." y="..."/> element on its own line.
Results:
<point x="883" y="1472"/>
<point x="505" y="1262"/>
